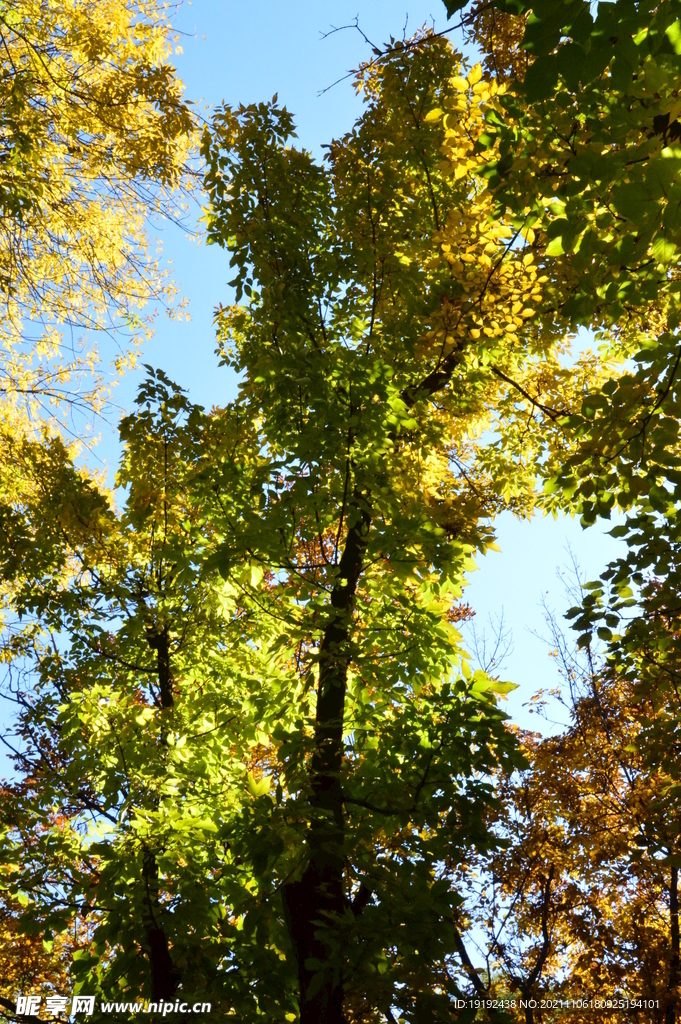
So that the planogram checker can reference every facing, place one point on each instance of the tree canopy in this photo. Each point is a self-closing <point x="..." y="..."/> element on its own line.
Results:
<point x="95" y="139"/>
<point x="256" y="763"/>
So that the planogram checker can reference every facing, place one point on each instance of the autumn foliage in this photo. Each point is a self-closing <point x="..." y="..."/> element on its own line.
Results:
<point x="96" y="140"/>
<point x="256" y="762"/>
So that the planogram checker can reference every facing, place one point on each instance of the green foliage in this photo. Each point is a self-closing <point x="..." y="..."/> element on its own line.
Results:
<point x="255" y="736"/>
<point x="143" y="728"/>
<point x="257" y="762"/>
<point x="588" y="153"/>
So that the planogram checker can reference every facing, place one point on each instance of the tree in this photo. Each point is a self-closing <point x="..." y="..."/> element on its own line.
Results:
<point x="633" y="609"/>
<point x="94" y="141"/>
<point x="27" y="961"/>
<point x="596" y="118"/>
<point x="581" y="903"/>
<point x="595" y="121"/>
<point x="95" y="138"/>
<point x="288" y="569"/>
<point x="295" y="586"/>
<point x="140" y="724"/>
<point x="358" y="342"/>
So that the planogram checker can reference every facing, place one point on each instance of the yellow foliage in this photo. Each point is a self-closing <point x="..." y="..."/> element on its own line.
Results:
<point x="95" y="137"/>
<point x="27" y="963"/>
<point x="499" y="35"/>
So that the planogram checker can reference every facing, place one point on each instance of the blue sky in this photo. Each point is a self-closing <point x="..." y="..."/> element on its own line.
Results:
<point x="243" y="52"/>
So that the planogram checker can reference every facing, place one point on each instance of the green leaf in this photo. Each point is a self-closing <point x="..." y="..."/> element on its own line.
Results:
<point x="496" y="686"/>
<point x="452" y="6"/>
<point x="541" y="78"/>
<point x="673" y="34"/>
<point x="258" y="787"/>
<point x="663" y="250"/>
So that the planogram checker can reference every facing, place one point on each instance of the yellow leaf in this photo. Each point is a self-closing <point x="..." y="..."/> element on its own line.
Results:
<point x="475" y="74"/>
<point x="258" y="787"/>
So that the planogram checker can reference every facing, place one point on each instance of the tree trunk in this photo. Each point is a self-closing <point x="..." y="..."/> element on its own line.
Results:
<point x="670" y="1017"/>
<point x="312" y="903"/>
<point x="164" y="978"/>
<point x="159" y="643"/>
<point x="529" y="1012"/>
<point x="317" y="901"/>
